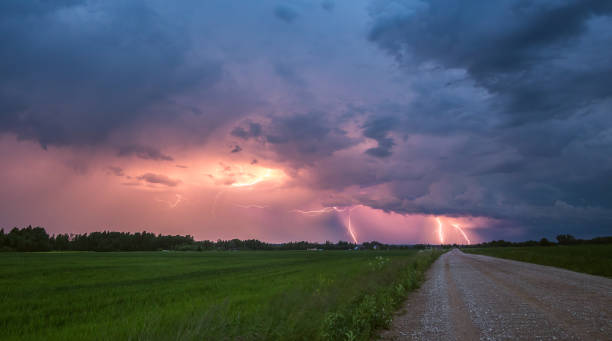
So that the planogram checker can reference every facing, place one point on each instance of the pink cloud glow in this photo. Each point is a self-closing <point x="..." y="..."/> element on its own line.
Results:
<point x="71" y="190"/>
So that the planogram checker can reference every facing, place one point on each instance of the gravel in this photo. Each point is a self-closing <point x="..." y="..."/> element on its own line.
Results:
<point x="474" y="297"/>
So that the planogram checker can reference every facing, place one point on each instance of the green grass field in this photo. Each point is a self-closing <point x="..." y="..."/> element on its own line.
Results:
<point x="246" y="295"/>
<point x="591" y="259"/>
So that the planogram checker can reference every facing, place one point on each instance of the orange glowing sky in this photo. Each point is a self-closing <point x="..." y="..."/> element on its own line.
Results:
<point x="209" y="197"/>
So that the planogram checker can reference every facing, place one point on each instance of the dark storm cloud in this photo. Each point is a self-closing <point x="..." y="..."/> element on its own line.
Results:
<point x="305" y="138"/>
<point x="236" y="149"/>
<point x="328" y="5"/>
<point x="116" y="171"/>
<point x="14" y="7"/>
<point x="144" y="152"/>
<point x="512" y="97"/>
<point x="72" y="72"/>
<point x="297" y="138"/>
<point x="522" y="51"/>
<point x="252" y="130"/>
<point x="378" y="128"/>
<point x="298" y="128"/>
<point x="159" y="179"/>
<point x="285" y="13"/>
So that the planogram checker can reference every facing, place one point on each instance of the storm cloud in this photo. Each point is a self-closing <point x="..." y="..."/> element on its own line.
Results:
<point x="536" y="103"/>
<point x="72" y="72"/>
<point x="497" y="110"/>
<point x="160" y="179"/>
<point x="144" y="152"/>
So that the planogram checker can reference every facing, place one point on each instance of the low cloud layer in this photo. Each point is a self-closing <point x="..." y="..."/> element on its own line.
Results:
<point x="159" y="179"/>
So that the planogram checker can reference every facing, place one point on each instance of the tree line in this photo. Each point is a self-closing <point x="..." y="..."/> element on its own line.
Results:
<point x="37" y="239"/>
<point x="254" y="244"/>
<point x="562" y="239"/>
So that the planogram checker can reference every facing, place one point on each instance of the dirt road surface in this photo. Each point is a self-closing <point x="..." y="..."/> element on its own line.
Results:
<point x="473" y="297"/>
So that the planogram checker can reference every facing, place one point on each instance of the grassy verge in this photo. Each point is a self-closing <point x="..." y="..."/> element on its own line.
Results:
<point x="373" y="309"/>
<point x="339" y="295"/>
<point x="591" y="259"/>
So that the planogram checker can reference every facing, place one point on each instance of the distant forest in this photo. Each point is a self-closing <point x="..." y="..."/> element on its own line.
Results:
<point x="562" y="239"/>
<point x="37" y="239"/>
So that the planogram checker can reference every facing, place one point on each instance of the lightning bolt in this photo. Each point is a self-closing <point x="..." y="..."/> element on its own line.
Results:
<point x="323" y="210"/>
<point x="253" y="181"/>
<point x="440" y="232"/>
<point x="249" y="206"/>
<point x="458" y="227"/>
<point x="171" y="204"/>
<point x="349" y="227"/>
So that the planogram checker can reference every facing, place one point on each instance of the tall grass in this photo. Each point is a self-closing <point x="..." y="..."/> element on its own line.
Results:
<point x="592" y="259"/>
<point x="289" y="295"/>
<point x="360" y="317"/>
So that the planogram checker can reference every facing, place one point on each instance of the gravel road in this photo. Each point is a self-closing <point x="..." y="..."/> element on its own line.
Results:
<point x="473" y="297"/>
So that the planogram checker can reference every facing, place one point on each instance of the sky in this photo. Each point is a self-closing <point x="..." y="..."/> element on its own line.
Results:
<point x="401" y="121"/>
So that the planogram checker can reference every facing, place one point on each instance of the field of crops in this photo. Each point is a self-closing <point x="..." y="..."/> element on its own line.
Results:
<point x="591" y="259"/>
<point x="247" y="295"/>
